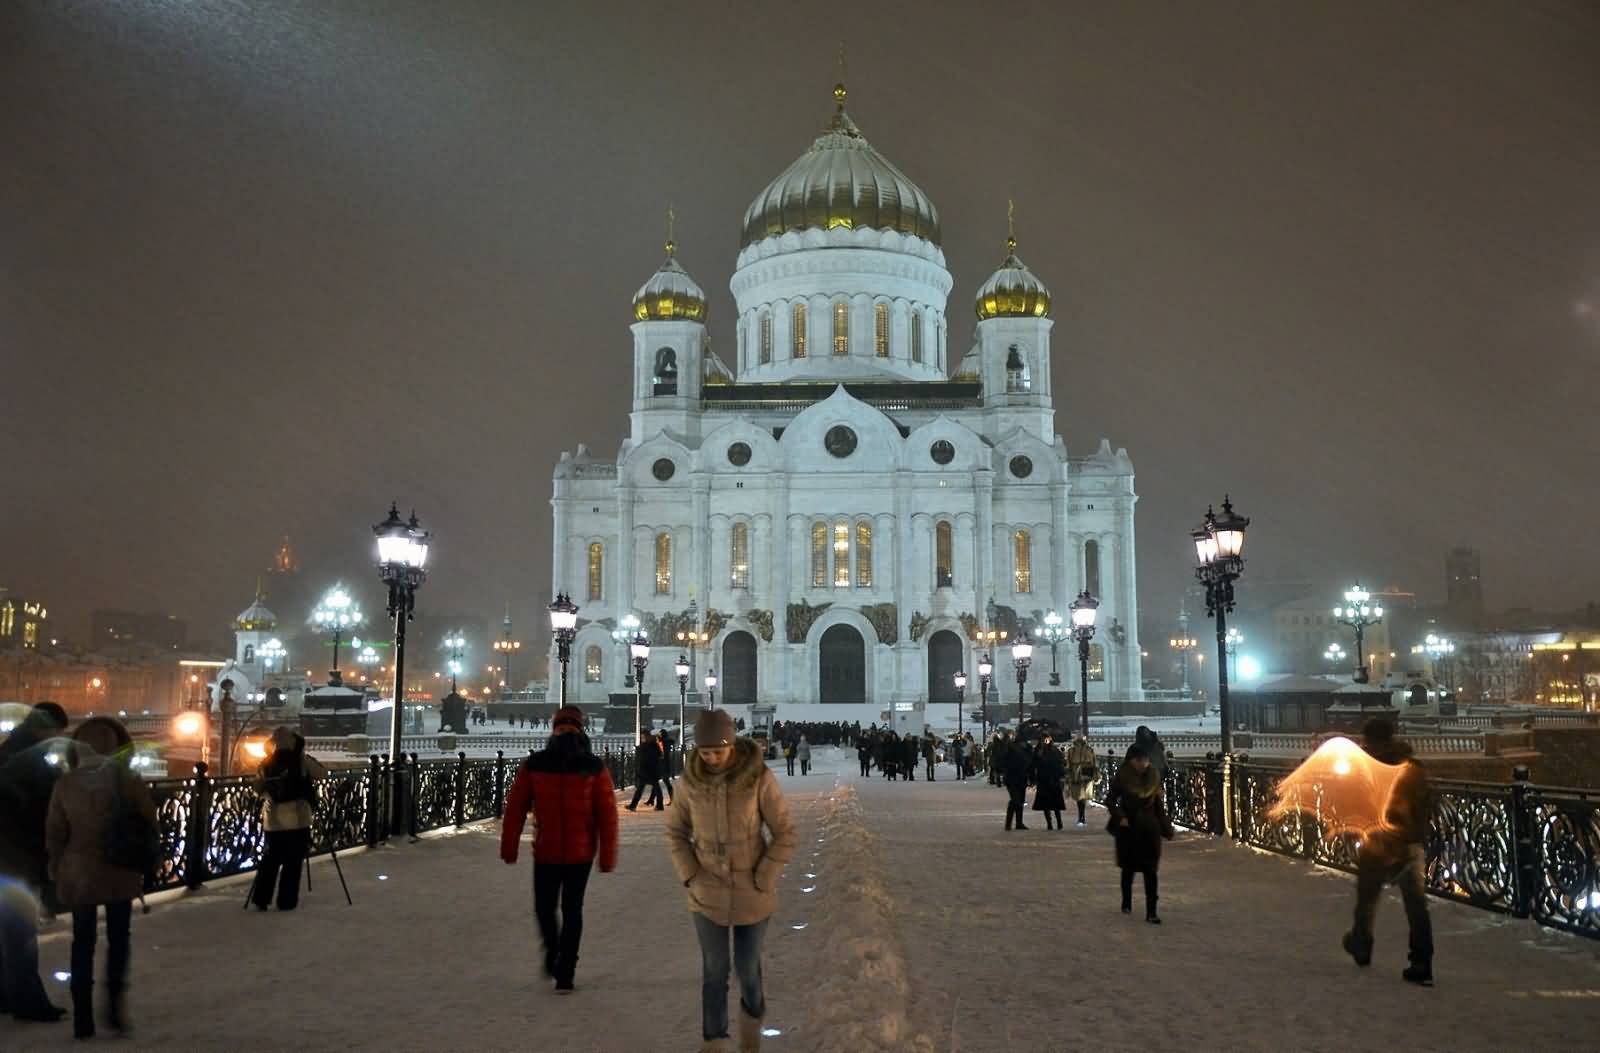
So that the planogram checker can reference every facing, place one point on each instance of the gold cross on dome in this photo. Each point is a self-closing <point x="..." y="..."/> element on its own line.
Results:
<point x="672" y="220"/>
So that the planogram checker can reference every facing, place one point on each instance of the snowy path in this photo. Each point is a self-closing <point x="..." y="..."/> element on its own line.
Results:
<point x="927" y="929"/>
<point x="1015" y="944"/>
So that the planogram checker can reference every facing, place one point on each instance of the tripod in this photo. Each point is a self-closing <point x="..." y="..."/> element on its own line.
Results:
<point x="333" y="852"/>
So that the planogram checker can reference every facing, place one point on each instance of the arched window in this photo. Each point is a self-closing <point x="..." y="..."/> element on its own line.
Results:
<point x="943" y="555"/>
<point x="819" y="555"/>
<point x="249" y="652"/>
<point x="591" y="665"/>
<point x="799" y="330"/>
<point x="916" y="336"/>
<point x="1022" y="562"/>
<point x="880" y="329"/>
<point x="739" y="556"/>
<point x="1017" y="379"/>
<point x="1097" y="662"/>
<point x="663" y="563"/>
<point x="1091" y="567"/>
<point x="841" y="328"/>
<point x="841" y="555"/>
<point x="597" y="566"/>
<point x="766" y="338"/>
<point x="864" y="555"/>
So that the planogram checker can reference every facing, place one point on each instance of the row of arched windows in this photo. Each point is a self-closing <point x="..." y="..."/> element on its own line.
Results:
<point x="799" y="332"/>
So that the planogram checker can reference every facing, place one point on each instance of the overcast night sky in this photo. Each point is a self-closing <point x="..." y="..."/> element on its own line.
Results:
<point x="264" y="265"/>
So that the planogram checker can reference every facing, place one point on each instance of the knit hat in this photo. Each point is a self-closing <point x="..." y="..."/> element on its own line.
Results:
<point x="713" y="727"/>
<point x="567" y="717"/>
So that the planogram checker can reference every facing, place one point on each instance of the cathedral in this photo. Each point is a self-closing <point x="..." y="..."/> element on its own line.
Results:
<point x="839" y="511"/>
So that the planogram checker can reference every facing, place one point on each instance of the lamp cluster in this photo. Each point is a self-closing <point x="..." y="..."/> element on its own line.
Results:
<point x="1219" y="561"/>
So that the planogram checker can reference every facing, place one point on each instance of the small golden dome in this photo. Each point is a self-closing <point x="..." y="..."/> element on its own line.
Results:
<point x="1013" y="291"/>
<point x="670" y="295"/>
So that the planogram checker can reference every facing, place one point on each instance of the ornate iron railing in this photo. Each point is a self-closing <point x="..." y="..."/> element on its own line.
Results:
<point x="1520" y="849"/>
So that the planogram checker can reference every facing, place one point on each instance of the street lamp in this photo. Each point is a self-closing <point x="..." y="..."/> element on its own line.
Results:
<point x="681" y="668"/>
<point x="622" y="635"/>
<point x="711" y="694"/>
<point x="985" y="671"/>
<point x="402" y="559"/>
<point x="1359" y="612"/>
<point x="563" y="627"/>
<point x="366" y="658"/>
<point x="1233" y="640"/>
<point x="337" y="613"/>
<point x="961" y="699"/>
<point x="1021" y="658"/>
<point x="1438" y="649"/>
<point x="1053" y="631"/>
<point x="1218" y="544"/>
<point x="455" y="644"/>
<point x="1084" y="609"/>
<point x="639" y="649"/>
<point x="507" y="647"/>
<point x="693" y="636"/>
<point x="1183" y="645"/>
<point x="271" y="652"/>
<point x="1334" y="654"/>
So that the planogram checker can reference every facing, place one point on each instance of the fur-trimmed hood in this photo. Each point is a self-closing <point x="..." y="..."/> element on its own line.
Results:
<point x="744" y="767"/>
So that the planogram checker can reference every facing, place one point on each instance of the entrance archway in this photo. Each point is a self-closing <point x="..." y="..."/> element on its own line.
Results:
<point x="842" y="665"/>
<point x="944" y="661"/>
<point x="739" y="669"/>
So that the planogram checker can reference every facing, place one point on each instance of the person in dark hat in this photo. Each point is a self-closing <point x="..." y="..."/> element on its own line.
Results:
<point x="574" y="809"/>
<point x="28" y="773"/>
<point x="1139" y="823"/>
<point x="730" y="836"/>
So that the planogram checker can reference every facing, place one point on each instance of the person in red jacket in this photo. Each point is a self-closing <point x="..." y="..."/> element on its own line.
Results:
<point x="574" y="810"/>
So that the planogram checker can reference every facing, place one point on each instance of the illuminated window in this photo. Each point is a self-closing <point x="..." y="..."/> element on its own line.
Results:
<point x="841" y="328"/>
<point x="819" y="555"/>
<point x="916" y="336"/>
<point x="880" y="325"/>
<point x="740" y="556"/>
<point x="1097" y="662"/>
<point x="1091" y="567"/>
<point x="799" y="330"/>
<point x="663" y="564"/>
<point x="943" y="554"/>
<point x="1022" y="562"/>
<point x="766" y="338"/>
<point x="591" y="665"/>
<point x="597" y="561"/>
<point x="864" y="555"/>
<point x="841" y="555"/>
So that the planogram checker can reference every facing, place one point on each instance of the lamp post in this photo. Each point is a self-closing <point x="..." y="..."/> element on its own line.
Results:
<point x="1218" y="544"/>
<point x="985" y="671"/>
<point x="366" y="658"/>
<point x="693" y="636"/>
<point x="1438" y="649"/>
<point x="402" y="561"/>
<point x="1021" y="658"/>
<point x="336" y="613"/>
<point x="639" y="649"/>
<point x="991" y="639"/>
<point x="1053" y="631"/>
<point x="1084" y="609"/>
<point x="563" y="627"/>
<point x="1234" y="639"/>
<point x="1183" y="644"/>
<point x="1358" y="613"/>
<point x="711" y="693"/>
<point x="454" y="645"/>
<point x="961" y="699"/>
<point x="622" y="635"/>
<point x="507" y="647"/>
<point x="1334" y="654"/>
<point x="270" y="653"/>
<point x="681" y="668"/>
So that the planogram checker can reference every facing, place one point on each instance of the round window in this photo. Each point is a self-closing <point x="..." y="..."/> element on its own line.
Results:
<point x="1021" y="467"/>
<point x="739" y="454"/>
<point x="840" y="441"/>
<point x="663" y="469"/>
<point x="942" y="452"/>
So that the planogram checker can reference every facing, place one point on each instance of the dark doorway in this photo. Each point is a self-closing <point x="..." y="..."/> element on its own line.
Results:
<point x="739" y="669"/>
<point x="944" y="661"/>
<point x="843" y="661"/>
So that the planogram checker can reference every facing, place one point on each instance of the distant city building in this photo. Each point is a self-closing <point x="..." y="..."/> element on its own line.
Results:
<point x="111" y="628"/>
<point x="23" y="622"/>
<point x="260" y="679"/>
<point x="1463" y="578"/>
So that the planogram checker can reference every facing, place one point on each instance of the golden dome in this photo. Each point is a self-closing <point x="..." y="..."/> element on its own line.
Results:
<point x="840" y="182"/>
<point x="670" y="295"/>
<point x="1013" y="291"/>
<point x="256" y="617"/>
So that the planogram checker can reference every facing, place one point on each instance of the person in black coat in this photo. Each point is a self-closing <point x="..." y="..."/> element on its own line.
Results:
<point x="27" y="777"/>
<point x="864" y="755"/>
<point x="647" y="772"/>
<point x="1016" y="766"/>
<point x="1139" y="823"/>
<point x="1049" y="771"/>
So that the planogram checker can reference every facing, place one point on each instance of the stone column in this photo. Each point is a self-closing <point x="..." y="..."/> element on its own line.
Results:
<point x="983" y="499"/>
<point x="1061" y="593"/>
<point x="699" y="562"/>
<point x="560" y="544"/>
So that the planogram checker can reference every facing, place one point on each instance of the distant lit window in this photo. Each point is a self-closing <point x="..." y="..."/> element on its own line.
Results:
<point x="943" y="554"/>
<point x="841" y="555"/>
<point x="799" y="330"/>
<point x="597" y="559"/>
<point x="880" y="329"/>
<point x="1022" y="562"/>
<point x="841" y="328"/>
<point x="1097" y="662"/>
<point x="739" y="556"/>
<point x="864" y="555"/>
<point x="766" y="338"/>
<point x="591" y="665"/>
<point x="916" y="336"/>
<point x="663" y="564"/>
<point x="819" y="555"/>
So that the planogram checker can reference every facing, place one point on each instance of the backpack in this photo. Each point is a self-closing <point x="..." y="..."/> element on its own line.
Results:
<point x="290" y="782"/>
<point x="131" y="840"/>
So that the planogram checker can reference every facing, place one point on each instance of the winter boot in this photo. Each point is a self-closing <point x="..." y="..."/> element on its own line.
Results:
<point x="749" y="1032"/>
<point x="1010" y="811"/>
<point x="117" y="1011"/>
<point x="1362" y="953"/>
<point x="1421" y="975"/>
<point x="716" y="1045"/>
<point x="83" y="1010"/>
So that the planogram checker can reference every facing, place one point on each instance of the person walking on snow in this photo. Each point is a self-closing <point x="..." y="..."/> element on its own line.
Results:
<point x="574" y="817"/>
<point x="1393" y="854"/>
<point x="730" y="837"/>
<point x="1081" y="773"/>
<point x="1049" y="772"/>
<point x="1016" y="765"/>
<point x="1139" y="823"/>
<point x="864" y="756"/>
<point x="646" y="772"/>
<point x="802" y="752"/>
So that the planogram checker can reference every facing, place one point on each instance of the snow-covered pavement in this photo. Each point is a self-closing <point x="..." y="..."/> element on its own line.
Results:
<point x="910" y="922"/>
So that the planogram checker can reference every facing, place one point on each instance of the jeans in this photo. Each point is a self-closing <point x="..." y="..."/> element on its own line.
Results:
<point x="714" y="973"/>
<point x="790" y="762"/>
<point x="930" y="770"/>
<point x="564" y="883"/>
<point x="1372" y="873"/>
<point x="118" y="920"/>
<point x="20" y="989"/>
<point x="805" y="767"/>
<point x="286" y="851"/>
